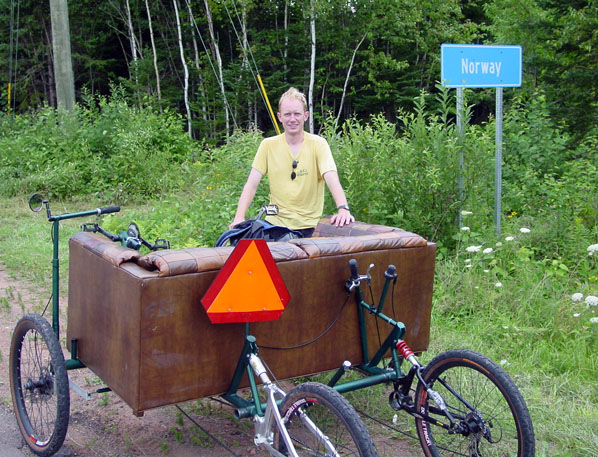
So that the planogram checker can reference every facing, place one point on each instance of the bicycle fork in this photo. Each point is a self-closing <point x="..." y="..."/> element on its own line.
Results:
<point x="264" y="435"/>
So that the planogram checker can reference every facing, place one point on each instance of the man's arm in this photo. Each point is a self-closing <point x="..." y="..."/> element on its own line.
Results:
<point x="344" y="216"/>
<point x="247" y="196"/>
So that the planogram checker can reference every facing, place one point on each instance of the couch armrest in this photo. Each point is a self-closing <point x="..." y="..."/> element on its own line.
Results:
<point x="102" y="246"/>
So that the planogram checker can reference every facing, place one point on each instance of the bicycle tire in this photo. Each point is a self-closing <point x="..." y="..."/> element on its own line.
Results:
<point x="332" y="414"/>
<point x="39" y="385"/>
<point x="498" y="425"/>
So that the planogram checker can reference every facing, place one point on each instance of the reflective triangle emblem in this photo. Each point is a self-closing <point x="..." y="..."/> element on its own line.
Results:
<point x="249" y="287"/>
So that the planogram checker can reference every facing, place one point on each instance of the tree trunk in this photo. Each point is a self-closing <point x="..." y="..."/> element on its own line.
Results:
<point x="202" y="92"/>
<point x="245" y="58"/>
<point x="340" y="108"/>
<point x="132" y="41"/>
<point x="286" y="35"/>
<point x="216" y="50"/>
<point x="186" y="82"/>
<point x="312" y="72"/>
<point x="151" y="30"/>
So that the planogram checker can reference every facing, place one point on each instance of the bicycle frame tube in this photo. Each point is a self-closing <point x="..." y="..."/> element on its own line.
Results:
<point x="70" y="364"/>
<point x="374" y="374"/>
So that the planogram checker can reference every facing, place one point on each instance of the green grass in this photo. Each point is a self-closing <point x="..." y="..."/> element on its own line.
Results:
<point x="544" y="340"/>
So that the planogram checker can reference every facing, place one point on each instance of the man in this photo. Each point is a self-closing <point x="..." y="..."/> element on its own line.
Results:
<point x="297" y="164"/>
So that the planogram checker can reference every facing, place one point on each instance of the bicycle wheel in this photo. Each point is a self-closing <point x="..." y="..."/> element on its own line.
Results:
<point x="333" y="416"/>
<point x="492" y="417"/>
<point x="39" y="385"/>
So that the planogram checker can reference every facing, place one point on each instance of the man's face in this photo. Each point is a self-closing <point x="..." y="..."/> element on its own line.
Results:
<point x="292" y="115"/>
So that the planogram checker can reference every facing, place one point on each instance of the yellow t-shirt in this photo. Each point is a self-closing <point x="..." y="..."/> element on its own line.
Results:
<point x="301" y="200"/>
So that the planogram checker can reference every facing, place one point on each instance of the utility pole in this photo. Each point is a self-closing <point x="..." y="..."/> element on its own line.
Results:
<point x="61" y="47"/>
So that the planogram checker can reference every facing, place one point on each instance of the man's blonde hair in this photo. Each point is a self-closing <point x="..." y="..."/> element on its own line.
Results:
<point x="293" y="94"/>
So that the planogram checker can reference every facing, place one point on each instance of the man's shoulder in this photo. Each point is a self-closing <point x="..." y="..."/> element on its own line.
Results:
<point x="273" y="139"/>
<point x="314" y="139"/>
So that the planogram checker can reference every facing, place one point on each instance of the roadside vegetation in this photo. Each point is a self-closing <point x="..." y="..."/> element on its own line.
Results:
<point x="526" y="298"/>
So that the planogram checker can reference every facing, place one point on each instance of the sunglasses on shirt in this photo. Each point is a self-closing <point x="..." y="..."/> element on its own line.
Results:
<point x="293" y="174"/>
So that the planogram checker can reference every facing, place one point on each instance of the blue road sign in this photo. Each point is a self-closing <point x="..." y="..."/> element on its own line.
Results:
<point x="474" y="65"/>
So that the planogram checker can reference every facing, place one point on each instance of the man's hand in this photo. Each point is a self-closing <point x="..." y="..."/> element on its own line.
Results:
<point x="344" y="217"/>
<point x="236" y="220"/>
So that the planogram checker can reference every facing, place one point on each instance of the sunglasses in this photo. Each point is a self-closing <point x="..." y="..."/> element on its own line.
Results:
<point x="293" y="174"/>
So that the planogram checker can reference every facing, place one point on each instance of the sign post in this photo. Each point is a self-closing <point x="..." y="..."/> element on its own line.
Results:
<point x="471" y="65"/>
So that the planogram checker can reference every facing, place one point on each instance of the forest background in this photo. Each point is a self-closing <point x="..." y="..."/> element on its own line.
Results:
<point x="167" y="123"/>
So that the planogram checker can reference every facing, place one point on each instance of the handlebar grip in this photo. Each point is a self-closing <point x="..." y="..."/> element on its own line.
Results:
<point x="108" y="209"/>
<point x="353" y="267"/>
<point x="391" y="272"/>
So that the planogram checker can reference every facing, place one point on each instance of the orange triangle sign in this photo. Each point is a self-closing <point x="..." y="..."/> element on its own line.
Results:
<point x="249" y="287"/>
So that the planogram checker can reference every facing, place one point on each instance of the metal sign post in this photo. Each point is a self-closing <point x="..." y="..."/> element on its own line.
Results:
<point x="469" y="65"/>
<point x="498" y="164"/>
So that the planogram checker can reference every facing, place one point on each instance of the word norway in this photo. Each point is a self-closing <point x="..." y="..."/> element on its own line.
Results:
<point x="472" y="67"/>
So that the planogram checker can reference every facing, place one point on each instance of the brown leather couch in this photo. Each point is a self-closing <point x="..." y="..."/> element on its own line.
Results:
<point x="140" y="325"/>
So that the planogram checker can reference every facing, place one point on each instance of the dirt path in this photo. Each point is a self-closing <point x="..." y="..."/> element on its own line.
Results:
<point x="106" y="426"/>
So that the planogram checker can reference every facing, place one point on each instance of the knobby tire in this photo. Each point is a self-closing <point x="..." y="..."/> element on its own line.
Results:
<point x="39" y="385"/>
<point x="332" y="414"/>
<point x="498" y="425"/>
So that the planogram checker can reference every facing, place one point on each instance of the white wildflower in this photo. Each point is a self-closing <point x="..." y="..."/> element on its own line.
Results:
<point x="505" y="327"/>
<point x="524" y="230"/>
<point x="488" y="250"/>
<point x="592" y="248"/>
<point x="498" y="284"/>
<point x="592" y="300"/>
<point x="473" y="248"/>
<point x="576" y="297"/>
<point x="594" y="320"/>
<point x="468" y="265"/>
<point x="486" y="271"/>
<point x="467" y="260"/>
<point x="465" y="229"/>
<point x="466" y="213"/>
<point x="576" y="315"/>
<point x="510" y="238"/>
<point x="504" y="362"/>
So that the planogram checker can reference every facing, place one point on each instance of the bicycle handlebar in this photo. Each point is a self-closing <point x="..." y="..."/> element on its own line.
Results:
<point x="108" y="210"/>
<point x="353" y="266"/>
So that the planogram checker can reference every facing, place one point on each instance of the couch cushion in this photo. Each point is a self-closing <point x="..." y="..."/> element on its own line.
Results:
<point x="194" y="260"/>
<point x="318" y="247"/>
<point x="326" y="229"/>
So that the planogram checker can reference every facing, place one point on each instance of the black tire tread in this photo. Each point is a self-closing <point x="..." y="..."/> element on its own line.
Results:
<point x="38" y="323"/>
<point x="466" y="357"/>
<point x="338" y="405"/>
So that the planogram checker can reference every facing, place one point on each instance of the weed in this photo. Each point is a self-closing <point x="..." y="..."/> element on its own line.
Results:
<point x="178" y="434"/>
<point x="164" y="447"/>
<point x="199" y="438"/>
<point x="4" y="303"/>
<point x="105" y="399"/>
<point x="179" y="419"/>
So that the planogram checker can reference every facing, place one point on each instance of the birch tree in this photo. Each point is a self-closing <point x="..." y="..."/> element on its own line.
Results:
<point x="132" y="40"/>
<point x="151" y="30"/>
<point x="216" y="51"/>
<point x="203" y="97"/>
<point x="186" y="81"/>
<point x="312" y="70"/>
<point x="340" y="108"/>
